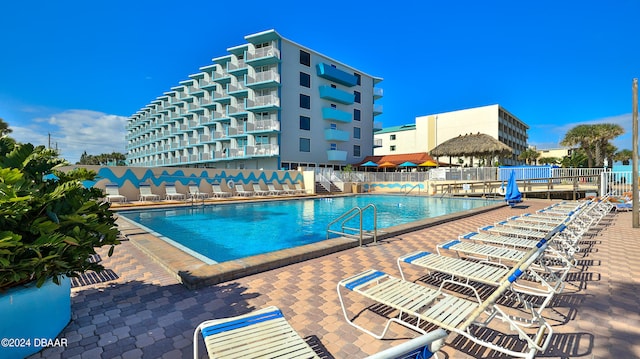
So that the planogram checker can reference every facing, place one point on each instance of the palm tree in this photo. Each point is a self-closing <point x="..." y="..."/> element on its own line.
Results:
<point x="577" y="159"/>
<point x="549" y="160"/>
<point x="605" y="132"/>
<point x="623" y="156"/>
<point x="593" y="140"/>
<point x="583" y="137"/>
<point x="4" y="128"/>
<point x="529" y="156"/>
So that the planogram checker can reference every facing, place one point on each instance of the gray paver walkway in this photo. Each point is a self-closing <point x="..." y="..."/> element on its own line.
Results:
<point x="146" y="313"/>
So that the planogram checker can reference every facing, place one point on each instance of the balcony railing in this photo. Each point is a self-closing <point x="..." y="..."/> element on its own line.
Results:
<point x="268" y="51"/>
<point x="263" y="101"/>
<point x="266" y="76"/>
<point x="263" y="125"/>
<point x="263" y="150"/>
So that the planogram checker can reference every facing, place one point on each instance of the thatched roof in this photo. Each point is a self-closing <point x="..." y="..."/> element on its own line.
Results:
<point x="477" y="145"/>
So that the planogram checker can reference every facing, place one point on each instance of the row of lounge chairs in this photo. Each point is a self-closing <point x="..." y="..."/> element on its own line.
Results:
<point x="171" y="193"/>
<point x="524" y="267"/>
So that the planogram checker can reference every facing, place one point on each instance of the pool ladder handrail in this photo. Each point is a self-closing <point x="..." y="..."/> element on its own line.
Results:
<point x="350" y="214"/>
<point x="410" y="189"/>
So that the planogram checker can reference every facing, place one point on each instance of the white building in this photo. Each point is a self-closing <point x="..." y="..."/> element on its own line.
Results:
<point x="269" y="103"/>
<point x="432" y="130"/>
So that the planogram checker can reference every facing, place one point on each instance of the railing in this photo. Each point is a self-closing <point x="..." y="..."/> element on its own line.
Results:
<point x="410" y="189"/>
<point x="324" y="182"/>
<point x="359" y="232"/>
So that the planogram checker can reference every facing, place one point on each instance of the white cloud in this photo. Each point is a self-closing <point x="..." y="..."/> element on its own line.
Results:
<point x="76" y="131"/>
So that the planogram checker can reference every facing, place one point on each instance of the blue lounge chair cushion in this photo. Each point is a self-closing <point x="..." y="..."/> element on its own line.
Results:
<point x="240" y="323"/>
<point x="365" y="279"/>
<point x="416" y="256"/>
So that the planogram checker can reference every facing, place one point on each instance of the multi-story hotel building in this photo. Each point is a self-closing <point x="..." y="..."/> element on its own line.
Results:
<point x="269" y="103"/>
<point x="432" y="130"/>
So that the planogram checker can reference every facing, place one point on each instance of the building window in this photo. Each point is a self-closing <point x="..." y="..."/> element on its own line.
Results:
<point x="392" y="137"/>
<point x="333" y="86"/>
<point x="305" y="123"/>
<point x="305" y="80"/>
<point x="333" y="147"/>
<point x="356" y="114"/>
<point x="305" y="58"/>
<point x="305" y="101"/>
<point x="357" y="96"/>
<point x="333" y="105"/>
<point x="356" y="132"/>
<point x="305" y="144"/>
<point x="356" y="151"/>
<point x="358" y="78"/>
<point x="392" y="148"/>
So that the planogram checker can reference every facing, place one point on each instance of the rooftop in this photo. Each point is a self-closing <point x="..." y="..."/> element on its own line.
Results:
<point x="136" y="309"/>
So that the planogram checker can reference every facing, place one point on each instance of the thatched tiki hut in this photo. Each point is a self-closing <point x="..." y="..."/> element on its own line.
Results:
<point x="478" y="145"/>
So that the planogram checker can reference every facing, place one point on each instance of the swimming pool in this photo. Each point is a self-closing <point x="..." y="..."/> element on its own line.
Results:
<point x="224" y="232"/>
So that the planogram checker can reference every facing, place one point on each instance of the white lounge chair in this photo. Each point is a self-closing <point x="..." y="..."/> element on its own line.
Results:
<point x="265" y="333"/>
<point x="240" y="191"/>
<point x="274" y="190"/>
<point x="218" y="192"/>
<point x="146" y="194"/>
<point x="194" y="193"/>
<point x="172" y="194"/>
<point x="258" y="191"/>
<point x="113" y="194"/>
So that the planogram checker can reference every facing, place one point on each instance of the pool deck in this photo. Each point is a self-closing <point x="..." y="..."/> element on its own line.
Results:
<point x="138" y="309"/>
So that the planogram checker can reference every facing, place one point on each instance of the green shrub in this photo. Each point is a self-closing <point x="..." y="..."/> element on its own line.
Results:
<point x="50" y="224"/>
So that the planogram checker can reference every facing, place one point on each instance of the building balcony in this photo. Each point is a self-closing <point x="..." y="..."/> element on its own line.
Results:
<point x="333" y="114"/>
<point x="237" y="131"/>
<point x="336" y="95"/>
<point x="263" y="126"/>
<point x="263" y="103"/>
<point x="221" y="97"/>
<point x="263" y="80"/>
<point x="377" y="93"/>
<point x="207" y="103"/>
<point x="336" y="155"/>
<point x="207" y="85"/>
<point x="263" y="56"/>
<point x="331" y="134"/>
<point x="196" y="91"/>
<point x="237" y="68"/>
<point x="263" y="150"/>
<point x="377" y="126"/>
<point x="221" y="77"/>
<point x="331" y="73"/>
<point x="237" y="110"/>
<point x="377" y="110"/>
<point x="237" y="89"/>
<point x="377" y="142"/>
<point x="220" y="116"/>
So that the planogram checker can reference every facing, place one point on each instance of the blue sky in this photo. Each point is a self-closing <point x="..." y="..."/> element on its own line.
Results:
<point x="77" y="69"/>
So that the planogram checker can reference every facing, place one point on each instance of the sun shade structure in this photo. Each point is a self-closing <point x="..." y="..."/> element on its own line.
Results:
<point x="428" y="163"/>
<point x="477" y="145"/>
<point x="387" y="165"/>
<point x="407" y="164"/>
<point x="369" y="164"/>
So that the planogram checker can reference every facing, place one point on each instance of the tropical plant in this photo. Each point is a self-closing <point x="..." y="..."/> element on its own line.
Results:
<point x="50" y="224"/>
<point x="4" y="128"/>
<point x="103" y="159"/>
<point x="593" y="140"/>
<point x="623" y="156"/>
<point x="529" y="156"/>
<point x="549" y="160"/>
<point x="577" y="159"/>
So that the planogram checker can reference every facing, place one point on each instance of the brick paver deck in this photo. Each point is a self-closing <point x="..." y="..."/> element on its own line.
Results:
<point x="141" y="311"/>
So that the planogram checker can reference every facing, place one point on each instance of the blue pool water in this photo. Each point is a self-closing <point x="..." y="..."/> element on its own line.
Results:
<point x="232" y="231"/>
